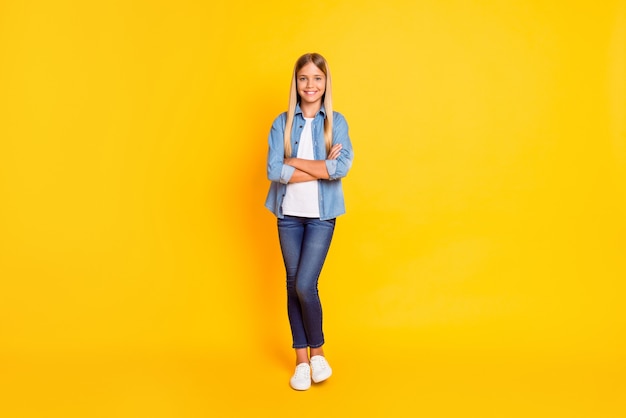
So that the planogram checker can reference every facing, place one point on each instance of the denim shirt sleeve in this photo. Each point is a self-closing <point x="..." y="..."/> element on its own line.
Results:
<point x="339" y="168"/>
<point x="276" y="170"/>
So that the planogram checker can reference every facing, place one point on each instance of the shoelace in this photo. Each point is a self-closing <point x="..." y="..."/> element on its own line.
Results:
<point x="319" y="364"/>
<point x="302" y="370"/>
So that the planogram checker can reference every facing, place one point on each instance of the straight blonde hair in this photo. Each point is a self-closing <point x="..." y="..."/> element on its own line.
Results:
<point x="294" y="99"/>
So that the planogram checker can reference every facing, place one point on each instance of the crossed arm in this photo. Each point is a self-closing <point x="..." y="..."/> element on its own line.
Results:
<point x="309" y="170"/>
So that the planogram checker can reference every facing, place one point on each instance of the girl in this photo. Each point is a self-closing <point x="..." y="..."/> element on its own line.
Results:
<point x="309" y="153"/>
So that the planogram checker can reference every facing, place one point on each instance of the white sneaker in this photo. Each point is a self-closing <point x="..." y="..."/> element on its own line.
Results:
<point x="301" y="379"/>
<point x="321" y="369"/>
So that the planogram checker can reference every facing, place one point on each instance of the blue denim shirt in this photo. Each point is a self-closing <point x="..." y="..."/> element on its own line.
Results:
<point x="330" y="192"/>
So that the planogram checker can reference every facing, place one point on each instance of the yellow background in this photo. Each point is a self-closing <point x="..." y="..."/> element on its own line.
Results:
<point x="479" y="271"/>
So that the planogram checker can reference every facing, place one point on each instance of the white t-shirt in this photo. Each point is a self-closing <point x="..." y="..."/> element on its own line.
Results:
<point x="301" y="199"/>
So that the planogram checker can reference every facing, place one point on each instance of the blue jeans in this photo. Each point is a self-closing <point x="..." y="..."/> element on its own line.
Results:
<point x="304" y="243"/>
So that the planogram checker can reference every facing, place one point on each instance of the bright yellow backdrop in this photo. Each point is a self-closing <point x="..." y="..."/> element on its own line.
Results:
<point x="480" y="268"/>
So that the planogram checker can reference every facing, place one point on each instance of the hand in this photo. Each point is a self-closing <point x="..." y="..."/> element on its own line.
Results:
<point x="334" y="152"/>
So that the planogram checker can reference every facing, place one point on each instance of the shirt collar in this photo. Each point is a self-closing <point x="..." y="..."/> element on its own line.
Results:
<point x="299" y="111"/>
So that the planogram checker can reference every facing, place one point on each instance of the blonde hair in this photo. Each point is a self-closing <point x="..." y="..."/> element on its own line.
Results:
<point x="294" y="99"/>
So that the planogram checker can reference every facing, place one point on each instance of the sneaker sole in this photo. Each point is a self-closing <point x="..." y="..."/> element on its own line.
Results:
<point x="324" y="377"/>
<point x="300" y="388"/>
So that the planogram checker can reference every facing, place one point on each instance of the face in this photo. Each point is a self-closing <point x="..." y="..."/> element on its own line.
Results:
<point x="311" y="83"/>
